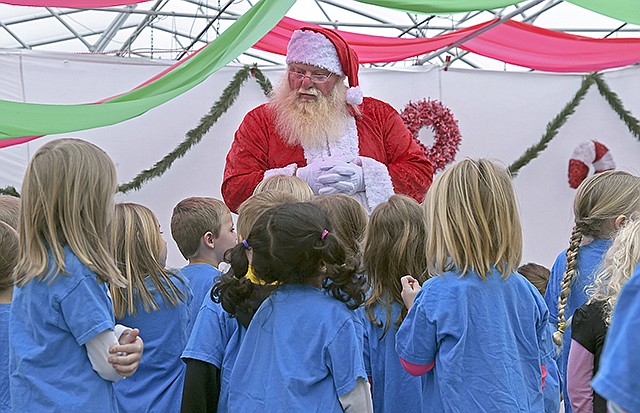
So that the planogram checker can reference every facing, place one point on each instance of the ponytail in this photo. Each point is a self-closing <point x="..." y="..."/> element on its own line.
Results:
<point x="342" y="282"/>
<point x="234" y="291"/>
<point x="567" y="279"/>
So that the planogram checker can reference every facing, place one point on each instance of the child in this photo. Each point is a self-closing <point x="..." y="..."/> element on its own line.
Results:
<point x="8" y="260"/>
<point x="303" y="348"/>
<point x="617" y="380"/>
<point x="590" y="321"/>
<point x="215" y="339"/>
<point x="64" y="352"/>
<point x="601" y="204"/>
<point x="477" y="328"/>
<point x="537" y="275"/>
<point x="156" y="301"/>
<point x="10" y="210"/>
<point x="203" y="230"/>
<point x="394" y="246"/>
<point x="285" y="183"/>
<point x="349" y="219"/>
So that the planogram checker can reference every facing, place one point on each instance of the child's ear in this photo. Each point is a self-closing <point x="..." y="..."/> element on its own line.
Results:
<point x="619" y="222"/>
<point x="208" y="239"/>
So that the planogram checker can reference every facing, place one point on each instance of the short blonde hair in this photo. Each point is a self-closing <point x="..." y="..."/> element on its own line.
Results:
<point x="137" y="244"/>
<point x="8" y="255"/>
<point x="10" y="210"/>
<point x="472" y="221"/>
<point x="67" y="199"/>
<point x="290" y="184"/>
<point x="254" y="206"/>
<point x="192" y="218"/>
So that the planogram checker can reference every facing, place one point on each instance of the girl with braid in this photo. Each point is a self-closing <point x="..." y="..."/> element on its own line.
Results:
<point x="601" y="205"/>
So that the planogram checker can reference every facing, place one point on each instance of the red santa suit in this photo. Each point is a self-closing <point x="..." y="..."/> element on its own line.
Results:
<point x="392" y="161"/>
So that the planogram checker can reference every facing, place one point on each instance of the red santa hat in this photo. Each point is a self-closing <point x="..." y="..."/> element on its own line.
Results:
<point x="317" y="46"/>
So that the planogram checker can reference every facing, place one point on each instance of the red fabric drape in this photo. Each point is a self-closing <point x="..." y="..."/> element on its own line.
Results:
<point x="512" y="42"/>
<point x="72" y="4"/>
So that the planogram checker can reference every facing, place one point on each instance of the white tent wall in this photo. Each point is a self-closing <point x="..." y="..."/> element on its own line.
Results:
<point x="500" y="114"/>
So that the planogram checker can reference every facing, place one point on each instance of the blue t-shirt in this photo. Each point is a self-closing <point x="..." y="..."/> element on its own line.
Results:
<point x="588" y="264"/>
<point x="393" y="389"/>
<point x="215" y="339"/>
<point x="617" y="379"/>
<point x="200" y="278"/>
<point x="5" y="400"/>
<point x="157" y="384"/>
<point x="302" y="351"/>
<point x="48" y="328"/>
<point x="486" y="338"/>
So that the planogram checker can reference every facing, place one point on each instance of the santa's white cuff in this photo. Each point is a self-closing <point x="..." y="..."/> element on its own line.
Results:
<point x="377" y="182"/>
<point x="288" y="170"/>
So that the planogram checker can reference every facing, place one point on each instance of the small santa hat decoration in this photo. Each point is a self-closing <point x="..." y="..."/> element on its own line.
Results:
<point x="317" y="46"/>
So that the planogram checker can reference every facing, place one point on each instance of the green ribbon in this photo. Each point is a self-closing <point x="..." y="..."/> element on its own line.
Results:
<point x="441" y="6"/>
<point x="624" y="10"/>
<point x="28" y="119"/>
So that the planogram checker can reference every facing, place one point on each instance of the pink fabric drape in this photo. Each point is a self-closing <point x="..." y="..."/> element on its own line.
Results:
<point x="511" y="42"/>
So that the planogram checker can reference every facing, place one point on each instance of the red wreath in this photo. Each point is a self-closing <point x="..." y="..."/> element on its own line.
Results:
<point x="417" y="115"/>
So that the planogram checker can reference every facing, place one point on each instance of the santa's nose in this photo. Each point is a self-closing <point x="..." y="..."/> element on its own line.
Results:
<point x="307" y="83"/>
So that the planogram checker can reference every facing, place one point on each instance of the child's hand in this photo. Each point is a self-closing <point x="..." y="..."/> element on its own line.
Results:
<point x="410" y="288"/>
<point x="125" y="358"/>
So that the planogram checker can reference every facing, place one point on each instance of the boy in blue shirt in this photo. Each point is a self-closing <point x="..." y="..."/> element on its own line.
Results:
<point x="203" y="230"/>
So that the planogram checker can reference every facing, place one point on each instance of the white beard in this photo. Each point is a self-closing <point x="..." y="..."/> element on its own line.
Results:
<point x="311" y="124"/>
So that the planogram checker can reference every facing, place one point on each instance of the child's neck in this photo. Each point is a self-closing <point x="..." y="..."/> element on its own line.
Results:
<point x="211" y="261"/>
<point x="6" y="295"/>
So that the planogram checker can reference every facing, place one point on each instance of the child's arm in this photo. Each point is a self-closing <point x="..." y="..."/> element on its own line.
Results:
<point x="98" y="353"/>
<point x="579" y="376"/>
<point x="201" y="390"/>
<point x="358" y="400"/>
<point x="416" y="369"/>
<point x="410" y="288"/>
<point x="126" y="355"/>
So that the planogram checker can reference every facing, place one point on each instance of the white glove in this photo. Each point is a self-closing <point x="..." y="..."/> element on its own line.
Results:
<point x="342" y="178"/>
<point x="310" y="174"/>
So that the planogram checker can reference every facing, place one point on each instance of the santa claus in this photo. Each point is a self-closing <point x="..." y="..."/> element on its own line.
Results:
<point x="325" y="132"/>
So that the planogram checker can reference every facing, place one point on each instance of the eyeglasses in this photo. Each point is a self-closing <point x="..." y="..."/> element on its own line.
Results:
<point x="315" y="78"/>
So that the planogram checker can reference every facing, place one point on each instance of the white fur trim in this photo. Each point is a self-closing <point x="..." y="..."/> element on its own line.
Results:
<point x="288" y="170"/>
<point x="311" y="48"/>
<point x="585" y="153"/>
<point x="377" y="182"/>
<point x="354" y="95"/>
<point x="346" y="146"/>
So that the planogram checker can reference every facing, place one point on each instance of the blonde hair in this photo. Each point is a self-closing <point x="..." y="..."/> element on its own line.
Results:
<point x="599" y="199"/>
<point x="620" y="262"/>
<point x="192" y="218"/>
<point x="394" y="246"/>
<point x="67" y="199"/>
<point x="254" y="206"/>
<point x="297" y="187"/>
<point x="349" y="219"/>
<point x="8" y="254"/>
<point x="10" y="210"/>
<point x="472" y="221"/>
<point x="137" y="245"/>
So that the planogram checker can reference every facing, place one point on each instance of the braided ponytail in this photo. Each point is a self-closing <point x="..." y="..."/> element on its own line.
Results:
<point x="567" y="279"/>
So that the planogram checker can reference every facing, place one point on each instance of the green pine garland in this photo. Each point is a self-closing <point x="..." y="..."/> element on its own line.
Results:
<point x="553" y="127"/>
<point x="231" y="92"/>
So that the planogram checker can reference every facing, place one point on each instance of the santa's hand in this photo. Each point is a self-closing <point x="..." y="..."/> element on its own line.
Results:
<point x="343" y="178"/>
<point x="310" y="174"/>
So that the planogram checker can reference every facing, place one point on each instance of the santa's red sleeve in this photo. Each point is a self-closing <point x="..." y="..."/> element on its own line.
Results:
<point x="246" y="160"/>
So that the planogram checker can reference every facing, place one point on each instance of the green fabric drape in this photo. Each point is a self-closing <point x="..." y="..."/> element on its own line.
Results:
<point x="624" y="10"/>
<point x="442" y="6"/>
<point x="27" y="119"/>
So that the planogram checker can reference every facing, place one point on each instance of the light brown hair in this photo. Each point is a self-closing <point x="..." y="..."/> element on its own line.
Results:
<point x="67" y="199"/>
<point x="192" y="218"/>
<point x="599" y="200"/>
<point x="10" y="210"/>
<point x="537" y="275"/>
<point x="254" y="206"/>
<point x="394" y="246"/>
<point x="137" y="244"/>
<point x="297" y="187"/>
<point x="472" y="221"/>
<point x="8" y="255"/>
<point x="349" y="219"/>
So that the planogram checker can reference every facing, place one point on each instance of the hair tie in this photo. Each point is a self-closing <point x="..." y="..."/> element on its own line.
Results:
<point x="246" y="244"/>
<point x="324" y="234"/>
